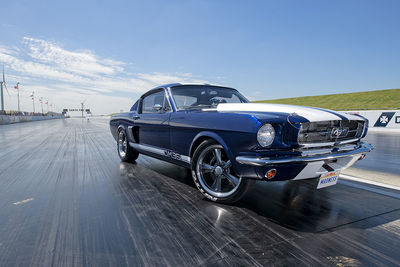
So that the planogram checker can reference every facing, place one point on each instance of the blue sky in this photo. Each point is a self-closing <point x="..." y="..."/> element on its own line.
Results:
<point x="112" y="51"/>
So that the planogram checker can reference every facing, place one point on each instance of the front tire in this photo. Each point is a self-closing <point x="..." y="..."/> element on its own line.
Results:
<point x="125" y="152"/>
<point x="213" y="174"/>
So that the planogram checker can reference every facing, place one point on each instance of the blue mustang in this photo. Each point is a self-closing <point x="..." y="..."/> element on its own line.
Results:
<point x="228" y="142"/>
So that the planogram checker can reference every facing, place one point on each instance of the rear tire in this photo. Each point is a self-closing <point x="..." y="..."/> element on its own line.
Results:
<point x="125" y="152"/>
<point x="213" y="174"/>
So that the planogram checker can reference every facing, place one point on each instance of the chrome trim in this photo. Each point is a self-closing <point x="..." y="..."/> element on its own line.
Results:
<point x="158" y="151"/>
<point x="348" y="141"/>
<point x="328" y="143"/>
<point x="315" y="151"/>
<point x="317" y="144"/>
<point x="185" y="158"/>
<point x="258" y="161"/>
<point x="319" y="151"/>
<point x="346" y="147"/>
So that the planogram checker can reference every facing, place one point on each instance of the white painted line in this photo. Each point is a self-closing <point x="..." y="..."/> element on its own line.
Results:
<point x="369" y="188"/>
<point x="365" y="181"/>
<point x="23" y="201"/>
<point x="355" y="182"/>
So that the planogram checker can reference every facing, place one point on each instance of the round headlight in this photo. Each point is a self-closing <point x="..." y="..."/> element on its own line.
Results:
<point x="266" y="135"/>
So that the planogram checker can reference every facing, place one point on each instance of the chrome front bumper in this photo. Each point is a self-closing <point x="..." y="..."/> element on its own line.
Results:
<point x="262" y="161"/>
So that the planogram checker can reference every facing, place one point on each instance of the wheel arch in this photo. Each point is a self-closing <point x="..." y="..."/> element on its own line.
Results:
<point x="202" y="136"/>
<point x="120" y="127"/>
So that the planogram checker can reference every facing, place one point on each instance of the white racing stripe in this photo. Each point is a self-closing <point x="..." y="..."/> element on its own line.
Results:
<point x="161" y="151"/>
<point x="348" y="115"/>
<point x="310" y="114"/>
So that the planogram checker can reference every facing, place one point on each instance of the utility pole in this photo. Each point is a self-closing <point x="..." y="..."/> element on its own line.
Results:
<point x="33" y="100"/>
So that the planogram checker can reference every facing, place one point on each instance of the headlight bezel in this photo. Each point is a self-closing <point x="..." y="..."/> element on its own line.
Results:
<point x="266" y="135"/>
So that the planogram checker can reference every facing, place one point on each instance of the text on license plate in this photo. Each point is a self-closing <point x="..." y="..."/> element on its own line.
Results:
<point x="328" y="179"/>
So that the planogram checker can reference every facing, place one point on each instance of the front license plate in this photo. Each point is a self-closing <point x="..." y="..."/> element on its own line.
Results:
<point x="328" y="179"/>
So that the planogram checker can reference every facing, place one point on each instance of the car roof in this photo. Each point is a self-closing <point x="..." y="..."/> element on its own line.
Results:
<point x="166" y="86"/>
<point x="186" y="84"/>
<point x="180" y="84"/>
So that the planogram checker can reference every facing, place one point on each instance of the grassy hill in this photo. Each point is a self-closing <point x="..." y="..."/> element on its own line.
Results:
<point x="380" y="99"/>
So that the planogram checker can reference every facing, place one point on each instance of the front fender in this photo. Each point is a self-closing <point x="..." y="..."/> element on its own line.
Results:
<point x="208" y="134"/>
<point x="214" y="136"/>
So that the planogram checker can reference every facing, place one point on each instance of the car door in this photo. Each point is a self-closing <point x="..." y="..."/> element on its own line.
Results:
<point x="153" y="120"/>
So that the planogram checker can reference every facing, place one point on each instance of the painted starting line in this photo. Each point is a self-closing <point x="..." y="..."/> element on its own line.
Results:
<point x="364" y="184"/>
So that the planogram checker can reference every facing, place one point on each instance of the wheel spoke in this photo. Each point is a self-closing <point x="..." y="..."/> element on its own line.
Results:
<point x="217" y="184"/>
<point x="232" y="179"/>
<point x="217" y="154"/>
<point x="227" y="165"/>
<point x="207" y="168"/>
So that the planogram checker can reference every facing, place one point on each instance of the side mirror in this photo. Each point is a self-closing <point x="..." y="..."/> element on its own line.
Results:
<point x="157" y="107"/>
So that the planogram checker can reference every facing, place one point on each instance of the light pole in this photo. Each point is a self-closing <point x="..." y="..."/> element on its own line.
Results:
<point x="33" y="100"/>
<point x="83" y="106"/>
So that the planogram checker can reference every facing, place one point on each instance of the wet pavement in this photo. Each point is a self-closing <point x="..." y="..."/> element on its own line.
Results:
<point x="65" y="199"/>
<point x="386" y="155"/>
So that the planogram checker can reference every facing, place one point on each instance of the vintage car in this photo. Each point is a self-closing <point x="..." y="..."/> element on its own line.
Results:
<point x="228" y="142"/>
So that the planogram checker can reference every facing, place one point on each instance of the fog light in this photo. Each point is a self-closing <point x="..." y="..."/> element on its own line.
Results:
<point x="270" y="174"/>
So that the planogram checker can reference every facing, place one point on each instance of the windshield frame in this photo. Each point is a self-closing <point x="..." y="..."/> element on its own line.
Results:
<point x="242" y="98"/>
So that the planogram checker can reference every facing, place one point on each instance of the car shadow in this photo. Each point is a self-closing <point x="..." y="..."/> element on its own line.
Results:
<point x="296" y="205"/>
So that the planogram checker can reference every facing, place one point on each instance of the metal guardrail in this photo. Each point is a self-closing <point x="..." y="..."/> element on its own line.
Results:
<point x="22" y="113"/>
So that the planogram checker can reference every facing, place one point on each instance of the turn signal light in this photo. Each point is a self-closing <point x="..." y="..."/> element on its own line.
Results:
<point x="270" y="174"/>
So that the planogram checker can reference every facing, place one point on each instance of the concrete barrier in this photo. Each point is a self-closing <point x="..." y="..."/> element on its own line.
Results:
<point x="389" y="119"/>
<point x="8" y="119"/>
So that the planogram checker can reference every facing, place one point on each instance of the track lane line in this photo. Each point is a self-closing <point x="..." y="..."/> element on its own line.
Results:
<point x="363" y="184"/>
<point x="365" y="181"/>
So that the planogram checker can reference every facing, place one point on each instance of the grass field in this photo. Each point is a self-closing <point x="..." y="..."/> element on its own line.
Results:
<point x="381" y="99"/>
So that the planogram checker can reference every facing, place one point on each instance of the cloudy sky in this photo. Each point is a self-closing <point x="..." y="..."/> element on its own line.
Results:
<point x="110" y="52"/>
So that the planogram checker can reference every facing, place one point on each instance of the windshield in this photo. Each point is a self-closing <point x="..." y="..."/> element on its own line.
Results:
<point x="191" y="96"/>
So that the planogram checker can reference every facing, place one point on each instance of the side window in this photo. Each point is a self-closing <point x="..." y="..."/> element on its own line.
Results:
<point x="135" y="106"/>
<point x="155" y="103"/>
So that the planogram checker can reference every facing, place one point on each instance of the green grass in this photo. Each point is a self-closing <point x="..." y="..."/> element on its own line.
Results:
<point x="380" y="99"/>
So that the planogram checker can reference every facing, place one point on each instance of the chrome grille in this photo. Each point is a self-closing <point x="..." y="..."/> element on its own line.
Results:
<point x="330" y="131"/>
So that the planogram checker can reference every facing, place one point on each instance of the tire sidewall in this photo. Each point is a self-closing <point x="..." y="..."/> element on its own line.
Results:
<point x="235" y="196"/>
<point x="131" y="154"/>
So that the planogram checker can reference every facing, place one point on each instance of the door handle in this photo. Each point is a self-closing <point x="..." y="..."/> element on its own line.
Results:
<point x="136" y="117"/>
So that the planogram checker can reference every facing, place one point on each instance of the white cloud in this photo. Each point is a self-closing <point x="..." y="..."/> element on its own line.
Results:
<point x="66" y="77"/>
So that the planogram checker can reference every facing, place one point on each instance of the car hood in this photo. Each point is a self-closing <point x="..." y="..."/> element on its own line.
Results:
<point x="309" y="113"/>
